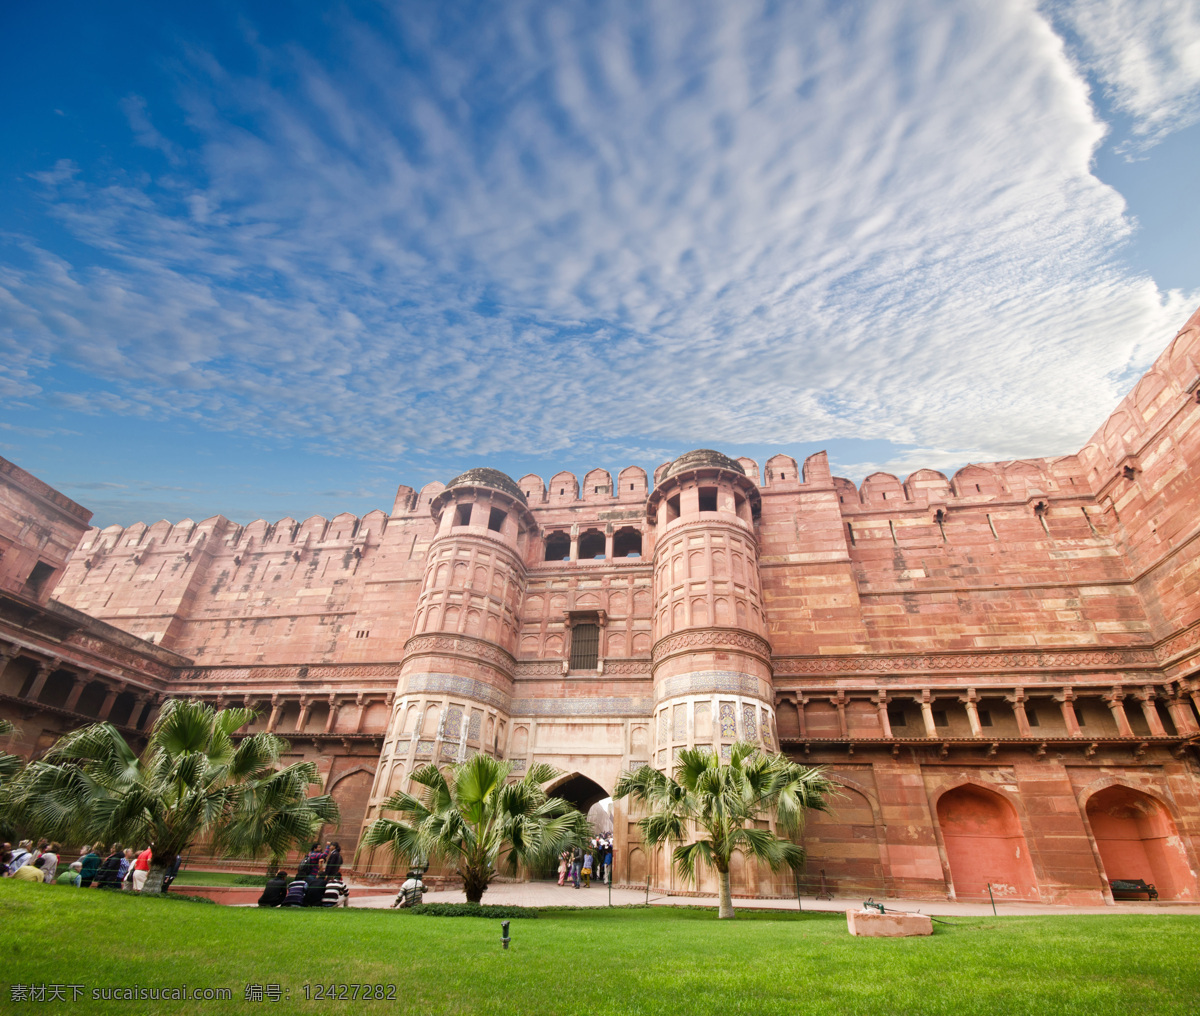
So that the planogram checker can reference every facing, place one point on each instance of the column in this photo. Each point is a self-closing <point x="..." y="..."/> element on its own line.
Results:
<point x="135" y="714"/>
<point x="574" y="544"/>
<point x="1181" y="713"/>
<point x="1118" y="710"/>
<point x="881" y="704"/>
<point x="1066" y="702"/>
<point x="608" y="542"/>
<point x="360" y="700"/>
<point x="78" y="683"/>
<point x="971" y="701"/>
<point x="926" y="701"/>
<point x="276" y="712"/>
<point x="333" y="714"/>
<point x="305" y="709"/>
<point x="1017" y="699"/>
<point x="6" y="657"/>
<point x="1147" y="697"/>
<point x="839" y="703"/>
<point x="107" y="704"/>
<point x="156" y="704"/>
<point x="43" y="672"/>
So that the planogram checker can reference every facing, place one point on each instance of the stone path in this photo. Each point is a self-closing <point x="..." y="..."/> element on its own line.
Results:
<point x="547" y="894"/>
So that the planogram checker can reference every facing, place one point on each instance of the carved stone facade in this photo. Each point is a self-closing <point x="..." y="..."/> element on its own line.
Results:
<point x="1001" y="669"/>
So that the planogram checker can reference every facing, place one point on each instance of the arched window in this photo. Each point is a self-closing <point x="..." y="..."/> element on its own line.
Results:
<point x="627" y="543"/>
<point x="591" y="545"/>
<point x="558" y="547"/>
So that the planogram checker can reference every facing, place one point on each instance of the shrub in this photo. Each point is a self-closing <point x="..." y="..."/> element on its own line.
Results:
<point x="469" y="910"/>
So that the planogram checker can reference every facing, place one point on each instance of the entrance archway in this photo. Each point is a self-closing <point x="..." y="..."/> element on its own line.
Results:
<point x="580" y="791"/>
<point x="984" y="844"/>
<point x="1136" y="838"/>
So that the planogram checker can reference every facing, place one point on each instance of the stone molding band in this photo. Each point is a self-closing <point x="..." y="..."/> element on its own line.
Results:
<point x="802" y="666"/>
<point x="465" y="646"/>
<point x="615" y="707"/>
<point x="711" y="638"/>
<point x="458" y="686"/>
<point x="706" y="682"/>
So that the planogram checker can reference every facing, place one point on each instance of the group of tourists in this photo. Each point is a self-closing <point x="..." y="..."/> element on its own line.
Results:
<point x="580" y="864"/>
<point x="318" y="882"/>
<point x="123" y="868"/>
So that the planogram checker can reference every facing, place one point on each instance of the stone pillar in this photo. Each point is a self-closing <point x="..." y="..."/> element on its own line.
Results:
<point x="1066" y="702"/>
<point x="971" y="700"/>
<point x="1181" y="713"/>
<point x="79" y="682"/>
<point x="156" y="704"/>
<point x="1017" y="699"/>
<point x="276" y="711"/>
<point x="135" y="714"/>
<point x="107" y="704"/>
<point x="333" y="714"/>
<point x="839" y="703"/>
<point x="925" y="701"/>
<point x="1118" y="710"/>
<point x="1147" y="698"/>
<point x="360" y="701"/>
<point x="881" y="704"/>
<point x="305" y="709"/>
<point x="6" y="657"/>
<point x="574" y="543"/>
<point x="44" y="670"/>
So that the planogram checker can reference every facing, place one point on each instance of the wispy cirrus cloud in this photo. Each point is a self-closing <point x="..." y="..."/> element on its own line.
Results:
<point x="1145" y="55"/>
<point x="576" y="229"/>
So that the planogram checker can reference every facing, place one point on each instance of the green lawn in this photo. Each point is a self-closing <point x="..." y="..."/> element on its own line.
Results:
<point x="657" y="960"/>
<point x="186" y="877"/>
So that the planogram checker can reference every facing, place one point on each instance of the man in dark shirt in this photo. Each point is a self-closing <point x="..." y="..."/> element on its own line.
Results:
<point x="333" y="861"/>
<point x="277" y="888"/>
<point x="314" y="891"/>
<point x="89" y="865"/>
<point x="108" y="875"/>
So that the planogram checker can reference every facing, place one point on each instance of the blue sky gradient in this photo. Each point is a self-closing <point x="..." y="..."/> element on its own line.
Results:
<point x="271" y="259"/>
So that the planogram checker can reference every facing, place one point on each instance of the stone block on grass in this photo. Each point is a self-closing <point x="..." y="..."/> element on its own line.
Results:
<point x="893" y="924"/>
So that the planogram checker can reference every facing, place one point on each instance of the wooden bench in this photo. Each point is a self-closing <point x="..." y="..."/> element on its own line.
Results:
<point x="1126" y="888"/>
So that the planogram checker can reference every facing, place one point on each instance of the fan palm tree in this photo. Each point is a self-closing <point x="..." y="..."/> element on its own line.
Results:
<point x="471" y="817"/>
<point x="193" y="780"/>
<point x="10" y="767"/>
<point x="723" y="801"/>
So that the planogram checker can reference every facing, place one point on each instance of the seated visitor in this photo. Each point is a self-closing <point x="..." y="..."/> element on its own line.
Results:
<point x="275" y="891"/>
<point x="31" y="872"/>
<point x="295" y="892"/>
<point x="314" y="892"/>
<point x="411" y="892"/>
<point x="336" y="893"/>
<point x="71" y="875"/>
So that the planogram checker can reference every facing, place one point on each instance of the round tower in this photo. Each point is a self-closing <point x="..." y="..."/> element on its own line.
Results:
<point x="455" y="685"/>
<point x="711" y="661"/>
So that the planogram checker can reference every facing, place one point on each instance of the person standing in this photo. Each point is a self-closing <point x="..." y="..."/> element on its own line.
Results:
<point x="576" y="862"/>
<point x="108" y="875"/>
<point x="172" y="871"/>
<point x="333" y="861"/>
<point x="89" y="864"/>
<point x="127" y="859"/>
<point x="564" y="861"/>
<point x="586" y="870"/>
<point x="141" y="868"/>
<point x="608" y="862"/>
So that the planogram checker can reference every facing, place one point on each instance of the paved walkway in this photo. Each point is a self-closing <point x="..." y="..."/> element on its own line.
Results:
<point x="547" y="894"/>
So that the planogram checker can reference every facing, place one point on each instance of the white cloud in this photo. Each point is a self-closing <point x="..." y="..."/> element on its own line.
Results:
<point x="1146" y="55"/>
<point x="581" y="228"/>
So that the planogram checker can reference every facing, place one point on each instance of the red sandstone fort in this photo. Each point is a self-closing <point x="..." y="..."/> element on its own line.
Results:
<point x="1001" y="668"/>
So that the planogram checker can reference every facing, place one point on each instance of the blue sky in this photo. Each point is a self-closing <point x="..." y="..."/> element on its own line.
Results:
<point x="271" y="259"/>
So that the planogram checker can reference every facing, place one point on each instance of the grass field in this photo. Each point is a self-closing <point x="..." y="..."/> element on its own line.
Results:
<point x="186" y="877"/>
<point x="622" y="961"/>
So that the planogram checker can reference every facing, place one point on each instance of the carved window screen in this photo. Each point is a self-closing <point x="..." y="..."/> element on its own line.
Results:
<point x="585" y="646"/>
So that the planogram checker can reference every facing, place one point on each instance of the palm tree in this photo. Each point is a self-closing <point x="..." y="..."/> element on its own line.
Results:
<point x="722" y="801"/>
<point x="10" y="767"/>
<point x="193" y="780"/>
<point x="471" y="817"/>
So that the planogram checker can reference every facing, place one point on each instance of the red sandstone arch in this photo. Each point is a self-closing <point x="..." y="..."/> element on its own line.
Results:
<point x="1136" y="837"/>
<point x="985" y="844"/>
